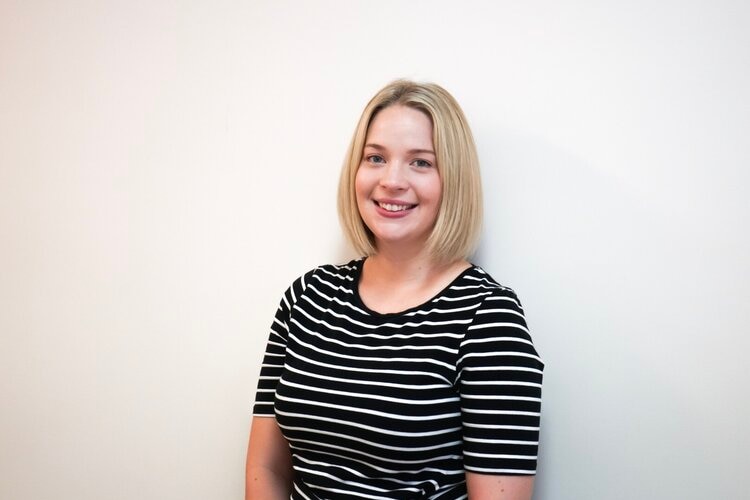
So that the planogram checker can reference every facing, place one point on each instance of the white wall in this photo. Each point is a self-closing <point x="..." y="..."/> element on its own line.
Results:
<point x="167" y="168"/>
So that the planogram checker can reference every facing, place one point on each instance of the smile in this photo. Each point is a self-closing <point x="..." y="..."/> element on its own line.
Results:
<point x="391" y="207"/>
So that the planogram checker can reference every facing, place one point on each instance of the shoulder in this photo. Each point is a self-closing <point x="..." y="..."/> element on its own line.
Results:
<point x="330" y="275"/>
<point x="492" y="292"/>
<point x="345" y="273"/>
<point x="500" y="311"/>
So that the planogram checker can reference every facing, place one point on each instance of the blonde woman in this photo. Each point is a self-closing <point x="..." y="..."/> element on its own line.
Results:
<point x="408" y="373"/>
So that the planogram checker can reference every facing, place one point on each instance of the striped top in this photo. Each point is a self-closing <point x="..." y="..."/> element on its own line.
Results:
<point x="398" y="406"/>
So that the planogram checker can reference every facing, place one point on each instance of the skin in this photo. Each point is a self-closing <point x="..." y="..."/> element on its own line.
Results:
<point x="268" y="471"/>
<point x="399" y="167"/>
<point x="485" y="487"/>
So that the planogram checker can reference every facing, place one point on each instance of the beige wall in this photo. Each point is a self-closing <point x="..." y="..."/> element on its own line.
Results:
<point x="167" y="168"/>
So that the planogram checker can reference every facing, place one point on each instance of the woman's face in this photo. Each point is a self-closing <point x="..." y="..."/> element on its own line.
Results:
<point x="397" y="185"/>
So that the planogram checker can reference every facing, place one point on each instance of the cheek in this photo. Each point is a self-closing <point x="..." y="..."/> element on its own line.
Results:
<point x="361" y="190"/>
<point x="363" y="183"/>
<point x="358" y="181"/>
<point x="432" y="189"/>
<point x="435" y="193"/>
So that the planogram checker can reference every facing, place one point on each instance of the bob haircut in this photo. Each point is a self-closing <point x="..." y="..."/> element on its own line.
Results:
<point x="459" y="219"/>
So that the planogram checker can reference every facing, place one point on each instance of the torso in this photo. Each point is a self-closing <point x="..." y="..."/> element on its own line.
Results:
<point x="370" y="402"/>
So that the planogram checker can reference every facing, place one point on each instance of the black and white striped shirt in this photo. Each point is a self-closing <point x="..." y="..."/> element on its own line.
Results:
<point x="398" y="406"/>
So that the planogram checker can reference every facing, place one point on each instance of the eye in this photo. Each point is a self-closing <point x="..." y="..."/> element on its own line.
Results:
<point x="375" y="159"/>
<point x="421" y="163"/>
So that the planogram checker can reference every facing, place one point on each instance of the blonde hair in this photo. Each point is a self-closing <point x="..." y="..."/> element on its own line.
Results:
<point x="459" y="219"/>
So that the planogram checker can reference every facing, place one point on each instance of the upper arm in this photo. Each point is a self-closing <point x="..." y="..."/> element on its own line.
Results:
<point x="268" y="470"/>
<point x="500" y="383"/>
<point x="275" y="354"/>
<point x="268" y="449"/>
<point x="486" y="487"/>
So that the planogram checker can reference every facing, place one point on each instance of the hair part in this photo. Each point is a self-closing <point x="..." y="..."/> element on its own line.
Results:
<point x="459" y="220"/>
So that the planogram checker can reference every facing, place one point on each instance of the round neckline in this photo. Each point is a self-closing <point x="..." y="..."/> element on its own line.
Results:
<point x="360" y="303"/>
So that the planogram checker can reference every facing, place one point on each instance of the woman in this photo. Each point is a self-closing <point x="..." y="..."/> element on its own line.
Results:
<point x="409" y="373"/>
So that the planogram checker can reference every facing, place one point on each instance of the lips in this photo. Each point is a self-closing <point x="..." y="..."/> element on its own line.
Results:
<point x="394" y="207"/>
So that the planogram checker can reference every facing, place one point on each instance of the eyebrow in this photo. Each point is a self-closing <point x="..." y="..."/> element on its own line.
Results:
<point x="411" y="151"/>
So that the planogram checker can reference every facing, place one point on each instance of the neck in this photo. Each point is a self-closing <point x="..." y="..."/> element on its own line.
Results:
<point x="403" y="265"/>
<point x="395" y="281"/>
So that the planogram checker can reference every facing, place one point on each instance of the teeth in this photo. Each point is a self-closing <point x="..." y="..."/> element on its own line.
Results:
<point x="393" y="208"/>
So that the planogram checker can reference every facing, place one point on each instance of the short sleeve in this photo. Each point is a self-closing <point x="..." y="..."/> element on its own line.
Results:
<point x="273" y="359"/>
<point x="500" y="385"/>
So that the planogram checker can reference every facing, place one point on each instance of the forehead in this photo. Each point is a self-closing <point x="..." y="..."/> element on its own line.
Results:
<point x="399" y="124"/>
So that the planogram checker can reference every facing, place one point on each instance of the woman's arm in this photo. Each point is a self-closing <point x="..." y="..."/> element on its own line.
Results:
<point x="486" y="487"/>
<point x="500" y="385"/>
<point x="268" y="471"/>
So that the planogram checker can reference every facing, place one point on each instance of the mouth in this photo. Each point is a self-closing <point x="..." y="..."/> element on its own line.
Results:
<point x="394" y="207"/>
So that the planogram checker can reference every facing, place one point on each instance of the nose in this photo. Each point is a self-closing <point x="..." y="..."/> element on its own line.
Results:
<point x="393" y="177"/>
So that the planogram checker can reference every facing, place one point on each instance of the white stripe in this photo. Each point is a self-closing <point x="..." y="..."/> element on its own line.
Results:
<point x="293" y="445"/>
<point x="272" y="366"/>
<point x="463" y="297"/>
<point x="492" y="325"/>
<point x="376" y="327"/>
<point x="371" y="358"/>
<point x="493" y="455"/>
<point x="499" y="471"/>
<point x="383" y="325"/>
<point x="367" y="382"/>
<point x="505" y="427"/>
<point x="339" y="436"/>
<point x="509" y="299"/>
<point x="501" y="441"/>
<point x="500" y="412"/>
<point x="352" y="409"/>
<point x="498" y="353"/>
<point x="340" y="276"/>
<point x="348" y="492"/>
<point x="435" y="310"/>
<point x="334" y="287"/>
<point x="443" y="472"/>
<point x="474" y="278"/>
<point x="359" y="425"/>
<point x="347" y="267"/>
<point x="338" y="301"/>
<point x="277" y="344"/>
<point x="502" y="383"/>
<point x="360" y="474"/>
<point x="501" y="368"/>
<point x="494" y="311"/>
<point x="472" y="287"/>
<point x="368" y="370"/>
<point x="496" y="339"/>
<point x="443" y="311"/>
<point x="296" y="487"/>
<point x="363" y="346"/>
<point x="352" y="483"/>
<point x="364" y="395"/>
<point x="501" y="398"/>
